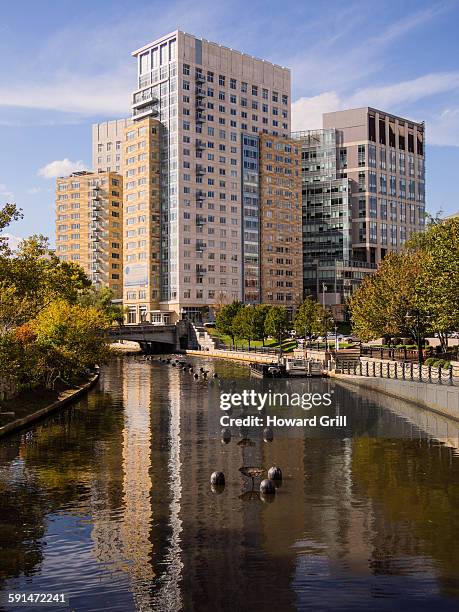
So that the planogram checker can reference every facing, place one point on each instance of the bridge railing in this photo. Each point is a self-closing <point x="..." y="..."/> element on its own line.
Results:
<point x="265" y="350"/>
<point x="134" y="330"/>
<point x="401" y="371"/>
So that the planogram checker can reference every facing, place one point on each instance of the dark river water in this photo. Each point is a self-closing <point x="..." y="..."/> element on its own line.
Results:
<point x="110" y="502"/>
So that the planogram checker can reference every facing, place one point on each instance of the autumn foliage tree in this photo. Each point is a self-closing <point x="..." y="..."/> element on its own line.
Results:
<point x="53" y="323"/>
<point x="422" y="279"/>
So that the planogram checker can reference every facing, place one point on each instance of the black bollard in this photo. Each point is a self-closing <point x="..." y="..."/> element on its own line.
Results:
<point x="217" y="479"/>
<point x="275" y="473"/>
<point x="226" y="435"/>
<point x="267" y="487"/>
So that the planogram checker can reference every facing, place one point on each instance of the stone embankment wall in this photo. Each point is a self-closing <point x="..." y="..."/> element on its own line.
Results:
<point x="236" y="355"/>
<point x="443" y="398"/>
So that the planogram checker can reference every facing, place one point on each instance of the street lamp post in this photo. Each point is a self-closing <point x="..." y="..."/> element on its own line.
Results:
<point x="324" y="289"/>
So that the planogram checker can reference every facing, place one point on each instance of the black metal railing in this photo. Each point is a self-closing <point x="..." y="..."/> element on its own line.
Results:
<point x="400" y="371"/>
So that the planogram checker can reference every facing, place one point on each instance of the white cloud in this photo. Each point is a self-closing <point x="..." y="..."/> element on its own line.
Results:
<point x="108" y="95"/>
<point x="442" y="127"/>
<point x="61" y="167"/>
<point x="33" y="190"/>
<point x="307" y="112"/>
<point x="5" y="193"/>
<point x="406" y="92"/>
<point x="324" y="62"/>
<point x="403" y="26"/>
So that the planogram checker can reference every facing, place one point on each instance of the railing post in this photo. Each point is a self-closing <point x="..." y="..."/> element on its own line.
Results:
<point x="366" y="369"/>
<point x="361" y="368"/>
<point x="439" y="375"/>
<point x="380" y="369"/>
<point x="420" y="371"/>
<point x="411" y="371"/>
<point x="396" y="370"/>
<point x="451" y="381"/>
<point x="430" y="373"/>
<point x="403" y="371"/>
<point x="374" y="369"/>
<point x="388" y="370"/>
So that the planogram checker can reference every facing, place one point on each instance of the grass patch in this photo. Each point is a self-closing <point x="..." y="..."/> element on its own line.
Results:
<point x="287" y="345"/>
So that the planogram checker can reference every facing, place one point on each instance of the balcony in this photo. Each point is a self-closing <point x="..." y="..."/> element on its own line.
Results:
<point x="145" y="111"/>
<point x="200" y="78"/>
<point x="144" y="99"/>
<point x="200" y="105"/>
<point x="200" y="117"/>
<point x="200" y="93"/>
<point x="200" y="170"/>
<point x="200" y="270"/>
<point x="200" y="246"/>
<point x="200" y="220"/>
<point x="200" y="145"/>
<point x="200" y="195"/>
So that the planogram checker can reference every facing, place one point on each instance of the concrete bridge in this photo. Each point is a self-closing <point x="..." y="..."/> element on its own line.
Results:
<point x="156" y="338"/>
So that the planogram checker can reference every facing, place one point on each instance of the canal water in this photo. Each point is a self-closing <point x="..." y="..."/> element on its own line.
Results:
<point x="110" y="501"/>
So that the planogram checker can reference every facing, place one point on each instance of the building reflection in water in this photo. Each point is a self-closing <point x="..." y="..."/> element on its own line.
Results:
<point x="362" y="513"/>
<point x="327" y="521"/>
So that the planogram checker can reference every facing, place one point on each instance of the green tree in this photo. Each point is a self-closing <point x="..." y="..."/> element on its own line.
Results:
<point x="307" y="317"/>
<point x="261" y="312"/>
<point x="102" y="298"/>
<point x="325" y="321"/>
<point x="277" y="323"/>
<point x="38" y="277"/>
<point x="244" y="323"/>
<point x="225" y="318"/>
<point x="8" y="214"/>
<point x="437" y="282"/>
<point x="379" y="307"/>
<point x="10" y="361"/>
<point x="70" y="339"/>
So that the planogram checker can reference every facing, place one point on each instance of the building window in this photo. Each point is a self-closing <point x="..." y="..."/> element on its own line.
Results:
<point x="373" y="207"/>
<point x="372" y="182"/>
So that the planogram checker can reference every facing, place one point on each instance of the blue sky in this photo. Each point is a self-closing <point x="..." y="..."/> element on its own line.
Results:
<point x="65" y="65"/>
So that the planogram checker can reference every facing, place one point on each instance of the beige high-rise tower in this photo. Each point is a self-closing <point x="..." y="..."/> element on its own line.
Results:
<point x="280" y="224"/>
<point x="89" y="226"/>
<point x="142" y="220"/>
<point x="213" y="104"/>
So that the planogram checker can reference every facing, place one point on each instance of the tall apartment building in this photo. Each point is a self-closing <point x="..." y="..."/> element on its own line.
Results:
<point x="213" y="103"/>
<point x="280" y="233"/>
<point x="142" y="221"/>
<point x="107" y="145"/>
<point x="363" y="195"/>
<point x="383" y="156"/>
<point x="89" y="226"/>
